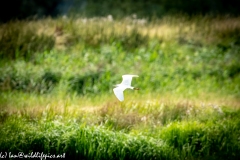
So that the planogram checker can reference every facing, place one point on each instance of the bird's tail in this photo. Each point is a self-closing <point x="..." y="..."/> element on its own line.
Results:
<point x="136" y="88"/>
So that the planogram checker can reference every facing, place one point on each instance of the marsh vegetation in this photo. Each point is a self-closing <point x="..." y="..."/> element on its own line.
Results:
<point x="57" y="75"/>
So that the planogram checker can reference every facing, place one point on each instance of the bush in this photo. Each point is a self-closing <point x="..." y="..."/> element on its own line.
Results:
<point x="18" y="41"/>
<point x="29" y="82"/>
<point x="84" y="84"/>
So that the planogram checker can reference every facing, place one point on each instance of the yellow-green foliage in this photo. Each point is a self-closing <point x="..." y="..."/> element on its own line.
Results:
<point x="57" y="75"/>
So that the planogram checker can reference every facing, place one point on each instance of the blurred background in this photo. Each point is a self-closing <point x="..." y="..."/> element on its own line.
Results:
<point x="182" y="47"/>
<point x="11" y="9"/>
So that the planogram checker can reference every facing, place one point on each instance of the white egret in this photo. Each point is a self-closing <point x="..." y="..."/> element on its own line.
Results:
<point x="126" y="83"/>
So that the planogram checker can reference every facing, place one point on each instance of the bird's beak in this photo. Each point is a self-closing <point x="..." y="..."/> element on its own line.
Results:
<point x="136" y="88"/>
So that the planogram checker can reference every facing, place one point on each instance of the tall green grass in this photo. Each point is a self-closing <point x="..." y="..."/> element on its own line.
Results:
<point x="68" y="131"/>
<point x="83" y="142"/>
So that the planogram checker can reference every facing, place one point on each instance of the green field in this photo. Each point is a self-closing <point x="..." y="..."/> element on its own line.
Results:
<point x="57" y="76"/>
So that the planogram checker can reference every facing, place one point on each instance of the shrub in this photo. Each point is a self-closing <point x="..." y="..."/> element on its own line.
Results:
<point x="29" y="82"/>
<point x="19" y="41"/>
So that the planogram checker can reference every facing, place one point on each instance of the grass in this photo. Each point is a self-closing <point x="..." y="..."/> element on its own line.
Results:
<point x="57" y="77"/>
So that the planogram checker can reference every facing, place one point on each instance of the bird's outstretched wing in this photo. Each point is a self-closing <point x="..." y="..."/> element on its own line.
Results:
<point x="119" y="93"/>
<point x="127" y="79"/>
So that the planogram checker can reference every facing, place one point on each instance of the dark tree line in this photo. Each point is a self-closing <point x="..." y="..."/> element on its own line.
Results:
<point x="19" y="9"/>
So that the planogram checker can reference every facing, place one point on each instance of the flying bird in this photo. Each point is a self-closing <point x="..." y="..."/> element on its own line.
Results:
<point x="126" y="84"/>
